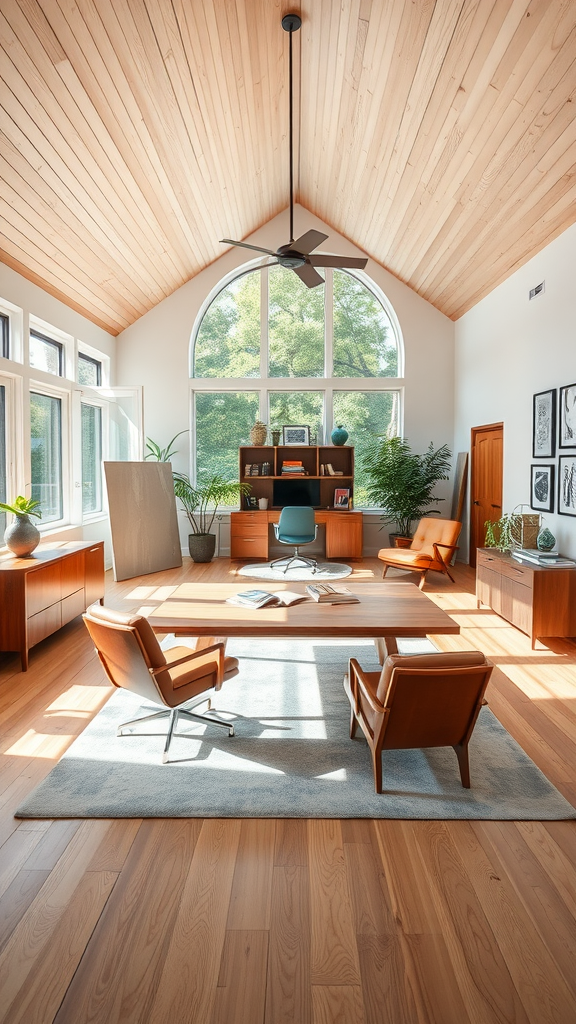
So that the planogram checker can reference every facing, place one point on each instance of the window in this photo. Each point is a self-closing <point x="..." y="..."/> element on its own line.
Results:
<point x="91" y="416"/>
<point x="5" y="335"/>
<point x="266" y="346"/>
<point x="46" y="354"/>
<point x="46" y="454"/>
<point x="89" y="371"/>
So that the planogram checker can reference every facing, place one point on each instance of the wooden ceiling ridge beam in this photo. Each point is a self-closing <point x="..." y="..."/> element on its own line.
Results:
<point x="486" y="137"/>
<point x="65" y="105"/>
<point x="497" y="150"/>
<point x="443" y="176"/>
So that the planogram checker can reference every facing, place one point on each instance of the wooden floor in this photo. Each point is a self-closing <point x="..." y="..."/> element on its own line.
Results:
<point x="250" y="921"/>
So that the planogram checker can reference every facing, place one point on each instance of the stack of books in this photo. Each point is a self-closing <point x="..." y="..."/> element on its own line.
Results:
<point x="545" y="558"/>
<point x="293" y="468"/>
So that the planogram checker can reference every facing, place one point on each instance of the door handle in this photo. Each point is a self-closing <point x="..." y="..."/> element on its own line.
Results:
<point x="496" y="506"/>
<point x="476" y="502"/>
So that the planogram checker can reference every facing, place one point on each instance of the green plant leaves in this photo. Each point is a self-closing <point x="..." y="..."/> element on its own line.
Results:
<point x="401" y="481"/>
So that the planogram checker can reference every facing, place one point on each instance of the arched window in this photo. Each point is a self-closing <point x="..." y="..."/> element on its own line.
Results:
<point x="266" y="346"/>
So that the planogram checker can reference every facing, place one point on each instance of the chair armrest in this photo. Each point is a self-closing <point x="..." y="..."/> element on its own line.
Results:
<point x="276" y="528"/>
<point x="357" y="681"/>
<point x="192" y="656"/>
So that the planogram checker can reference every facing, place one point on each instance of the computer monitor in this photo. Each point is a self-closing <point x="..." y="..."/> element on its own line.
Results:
<point x="296" y="492"/>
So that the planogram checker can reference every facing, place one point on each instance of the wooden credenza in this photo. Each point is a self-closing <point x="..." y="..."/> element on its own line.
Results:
<point x="249" y="533"/>
<point x="41" y="593"/>
<point x="537" y="600"/>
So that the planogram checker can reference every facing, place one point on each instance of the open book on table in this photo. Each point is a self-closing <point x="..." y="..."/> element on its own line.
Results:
<point x="263" y="598"/>
<point x="325" y="593"/>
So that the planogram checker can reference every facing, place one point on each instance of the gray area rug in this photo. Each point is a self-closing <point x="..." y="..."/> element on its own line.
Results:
<point x="291" y="757"/>
<point x="325" y="571"/>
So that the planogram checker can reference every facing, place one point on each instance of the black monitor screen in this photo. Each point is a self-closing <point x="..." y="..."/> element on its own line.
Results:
<point x="296" y="492"/>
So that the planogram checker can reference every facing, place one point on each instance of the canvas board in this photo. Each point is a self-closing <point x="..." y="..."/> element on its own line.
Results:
<point x="143" y="518"/>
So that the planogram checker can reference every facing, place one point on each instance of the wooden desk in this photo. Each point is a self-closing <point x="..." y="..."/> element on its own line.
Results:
<point x="249" y="532"/>
<point x="384" y="609"/>
<point x="43" y="592"/>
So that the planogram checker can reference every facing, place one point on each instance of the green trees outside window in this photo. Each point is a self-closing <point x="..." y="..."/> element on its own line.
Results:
<point x="46" y="454"/>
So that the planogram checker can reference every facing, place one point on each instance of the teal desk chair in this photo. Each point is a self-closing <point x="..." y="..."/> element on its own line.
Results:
<point x="296" y="527"/>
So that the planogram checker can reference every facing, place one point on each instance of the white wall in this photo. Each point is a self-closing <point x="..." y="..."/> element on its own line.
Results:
<point x="154" y="352"/>
<point x="509" y="348"/>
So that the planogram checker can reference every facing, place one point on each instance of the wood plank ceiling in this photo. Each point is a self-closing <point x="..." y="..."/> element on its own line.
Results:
<point x="440" y="137"/>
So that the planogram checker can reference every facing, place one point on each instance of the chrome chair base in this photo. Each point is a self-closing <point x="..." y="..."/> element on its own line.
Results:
<point x="172" y="714"/>
<point x="288" y="560"/>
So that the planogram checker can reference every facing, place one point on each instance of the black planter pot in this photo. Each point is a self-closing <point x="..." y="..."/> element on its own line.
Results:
<point x="202" y="546"/>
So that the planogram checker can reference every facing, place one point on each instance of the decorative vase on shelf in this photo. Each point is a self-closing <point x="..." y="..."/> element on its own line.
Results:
<point x="339" y="436"/>
<point x="545" y="540"/>
<point x="21" y="537"/>
<point x="275" y="438"/>
<point x="258" y="433"/>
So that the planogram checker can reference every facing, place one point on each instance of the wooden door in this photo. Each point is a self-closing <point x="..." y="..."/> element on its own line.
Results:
<point x="486" y="482"/>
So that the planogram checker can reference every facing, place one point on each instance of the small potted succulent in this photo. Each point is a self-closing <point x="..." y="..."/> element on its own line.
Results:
<point x="22" y="537"/>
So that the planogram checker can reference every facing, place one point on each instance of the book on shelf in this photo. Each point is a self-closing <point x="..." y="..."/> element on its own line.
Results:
<point x="325" y="593"/>
<point x="265" y="599"/>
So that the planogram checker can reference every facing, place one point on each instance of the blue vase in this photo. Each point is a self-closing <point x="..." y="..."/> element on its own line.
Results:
<point x="545" y="540"/>
<point x="339" y="436"/>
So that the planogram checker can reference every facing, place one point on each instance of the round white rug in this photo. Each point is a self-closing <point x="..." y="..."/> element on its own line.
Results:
<point x="325" y="571"/>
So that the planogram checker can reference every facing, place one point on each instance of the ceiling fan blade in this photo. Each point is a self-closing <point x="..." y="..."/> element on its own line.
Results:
<point x="308" y="275"/>
<point x="308" y="241"/>
<point x="342" y="262"/>
<point x="257" y="248"/>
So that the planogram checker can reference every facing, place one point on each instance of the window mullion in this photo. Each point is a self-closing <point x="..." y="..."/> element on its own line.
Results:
<point x="329" y="323"/>
<point x="264" y="339"/>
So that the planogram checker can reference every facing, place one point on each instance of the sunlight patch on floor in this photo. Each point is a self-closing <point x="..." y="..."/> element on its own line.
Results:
<point x="38" y="744"/>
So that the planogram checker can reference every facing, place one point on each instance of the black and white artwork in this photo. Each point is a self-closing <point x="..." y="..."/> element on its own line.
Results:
<point x="544" y="425"/>
<point x="567" y="485"/>
<point x="295" y="435"/>
<point x="568" y="416"/>
<point x="542" y="487"/>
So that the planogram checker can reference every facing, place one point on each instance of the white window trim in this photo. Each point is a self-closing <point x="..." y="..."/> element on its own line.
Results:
<point x="51" y="391"/>
<point x="61" y="338"/>
<point x="16" y="331"/>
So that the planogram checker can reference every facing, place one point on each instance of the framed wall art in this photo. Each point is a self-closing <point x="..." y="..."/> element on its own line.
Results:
<point x="567" y="485"/>
<point x="544" y="425"/>
<point x="542" y="487"/>
<point x="295" y="435"/>
<point x="567" y="416"/>
<point x="342" y="497"/>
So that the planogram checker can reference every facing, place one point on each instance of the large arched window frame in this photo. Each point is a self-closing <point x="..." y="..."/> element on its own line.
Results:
<point x="265" y="386"/>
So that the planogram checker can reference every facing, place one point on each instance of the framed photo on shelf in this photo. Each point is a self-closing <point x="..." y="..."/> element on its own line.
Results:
<point x="542" y="487"/>
<point x="295" y="435"/>
<point x="567" y="416"/>
<point x="567" y="485"/>
<point x="544" y="425"/>
<point x="342" y="497"/>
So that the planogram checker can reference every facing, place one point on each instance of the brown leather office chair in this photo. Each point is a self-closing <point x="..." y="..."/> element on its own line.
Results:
<point x="432" y="547"/>
<point x="133" y="659"/>
<point x="421" y="700"/>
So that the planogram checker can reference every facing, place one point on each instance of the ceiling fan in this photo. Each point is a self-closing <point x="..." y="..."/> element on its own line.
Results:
<point x="296" y="254"/>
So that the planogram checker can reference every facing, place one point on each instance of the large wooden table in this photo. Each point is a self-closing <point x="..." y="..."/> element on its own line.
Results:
<point x="200" y="609"/>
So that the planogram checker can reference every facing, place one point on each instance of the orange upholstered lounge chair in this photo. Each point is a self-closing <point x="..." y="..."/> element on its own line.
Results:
<point x="432" y="547"/>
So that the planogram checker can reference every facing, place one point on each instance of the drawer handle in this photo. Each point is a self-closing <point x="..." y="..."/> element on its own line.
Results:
<point x="94" y="549"/>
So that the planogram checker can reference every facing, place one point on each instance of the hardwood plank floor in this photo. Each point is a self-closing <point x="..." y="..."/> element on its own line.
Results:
<point x="287" y="921"/>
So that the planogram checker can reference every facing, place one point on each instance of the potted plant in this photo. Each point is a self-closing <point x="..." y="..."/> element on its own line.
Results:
<point x="401" y="481"/>
<point x="200" y="503"/>
<point x="22" y="537"/>
<point x="513" y="530"/>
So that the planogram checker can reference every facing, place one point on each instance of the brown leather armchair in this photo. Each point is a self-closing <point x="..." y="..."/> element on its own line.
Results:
<point x="133" y="659"/>
<point x="421" y="700"/>
<point x="432" y="547"/>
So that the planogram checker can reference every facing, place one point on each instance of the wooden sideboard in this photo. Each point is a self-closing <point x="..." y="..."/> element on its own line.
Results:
<point x="537" y="600"/>
<point x="249" y="532"/>
<point x="43" y="592"/>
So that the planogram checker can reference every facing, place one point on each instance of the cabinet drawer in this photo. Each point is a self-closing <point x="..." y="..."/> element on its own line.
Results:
<point x="249" y="547"/>
<point x="240" y="530"/>
<point x="522" y="574"/>
<point x="94" y="574"/>
<point x="72" y="573"/>
<point x="72" y="606"/>
<point x="43" y="588"/>
<point x="44" y="623"/>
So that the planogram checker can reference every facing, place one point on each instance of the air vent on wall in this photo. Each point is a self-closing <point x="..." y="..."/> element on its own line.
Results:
<point x="537" y="290"/>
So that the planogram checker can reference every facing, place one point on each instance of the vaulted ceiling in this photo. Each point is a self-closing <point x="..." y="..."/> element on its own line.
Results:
<point x="439" y="137"/>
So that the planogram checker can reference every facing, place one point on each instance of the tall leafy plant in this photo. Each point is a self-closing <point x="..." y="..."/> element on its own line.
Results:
<point x="200" y="501"/>
<point x="402" y="482"/>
